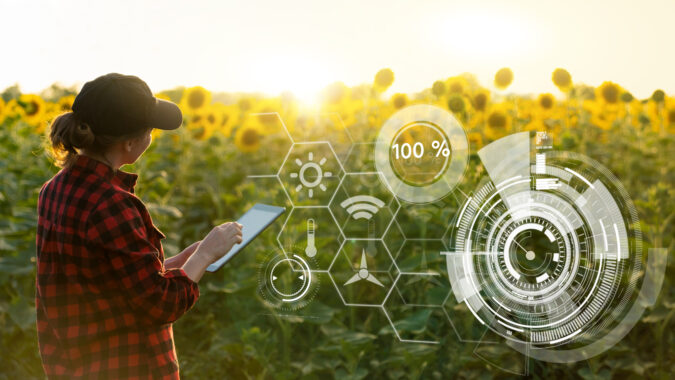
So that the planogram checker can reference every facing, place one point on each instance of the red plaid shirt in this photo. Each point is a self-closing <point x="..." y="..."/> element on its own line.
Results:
<point x="105" y="302"/>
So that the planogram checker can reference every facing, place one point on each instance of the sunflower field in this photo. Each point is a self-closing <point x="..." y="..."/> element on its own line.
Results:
<point x="200" y="175"/>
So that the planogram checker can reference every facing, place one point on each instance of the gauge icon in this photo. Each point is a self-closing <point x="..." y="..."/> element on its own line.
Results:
<point x="287" y="281"/>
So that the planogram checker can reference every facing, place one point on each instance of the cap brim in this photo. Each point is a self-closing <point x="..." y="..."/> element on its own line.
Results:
<point x="166" y="115"/>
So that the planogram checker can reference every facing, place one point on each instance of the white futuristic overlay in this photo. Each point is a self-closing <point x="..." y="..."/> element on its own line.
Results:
<point x="545" y="256"/>
<point x="548" y="253"/>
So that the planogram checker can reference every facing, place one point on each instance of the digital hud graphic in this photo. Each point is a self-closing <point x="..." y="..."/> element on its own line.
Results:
<point x="545" y="251"/>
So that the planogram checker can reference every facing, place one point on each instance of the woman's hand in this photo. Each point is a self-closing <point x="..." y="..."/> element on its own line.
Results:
<point x="179" y="260"/>
<point x="219" y="241"/>
<point x="214" y="246"/>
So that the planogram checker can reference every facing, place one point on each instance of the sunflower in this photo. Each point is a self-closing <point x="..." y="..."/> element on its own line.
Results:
<point x="399" y="100"/>
<point x="546" y="106"/>
<point x="229" y="115"/>
<point x="658" y="96"/>
<point x="248" y="138"/>
<point x="2" y="110"/>
<point x="66" y="103"/>
<point x="457" y="85"/>
<point x="383" y="79"/>
<point x="662" y="113"/>
<point x="601" y="116"/>
<point x="562" y="79"/>
<point x="155" y="133"/>
<point x="608" y="93"/>
<point x="14" y="109"/>
<point x="267" y="114"/>
<point x="200" y="128"/>
<point x="503" y="78"/>
<point x="203" y="123"/>
<point x="245" y="103"/>
<point x="33" y="108"/>
<point x="195" y="99"/>
<point x="456" y="104"/>
<point x="163" y="96"/>
<point x="498" y="121"/>
<point x="480" y="100"/>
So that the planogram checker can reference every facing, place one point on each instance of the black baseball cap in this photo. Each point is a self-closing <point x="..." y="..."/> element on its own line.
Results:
<point x="117" y="105"/>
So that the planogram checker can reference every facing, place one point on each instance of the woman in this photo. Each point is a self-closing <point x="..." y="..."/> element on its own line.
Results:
<point x="106" y="298"/>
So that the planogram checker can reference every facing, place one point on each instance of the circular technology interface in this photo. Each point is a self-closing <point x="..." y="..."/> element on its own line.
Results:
<point x="419" y="154"/>
<point x="287" y="281"/>
<point x="549" y="256"/>
<point x="422" y="152"/>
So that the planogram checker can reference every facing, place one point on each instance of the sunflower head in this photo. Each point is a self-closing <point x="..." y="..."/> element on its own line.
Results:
<point x="670" y="117"/>
<point x="562" y="79"/>
<point x="480" y="100"/>
<point x="65" y="104"/>
<point x="399" y="100"/>
<point x="503" y="78"/>
<point x="457" y="85"/>
<point x="2" y="110"/>
<point x="658" y="96"/>
<point x="497" y="119"/>
<point x="195" y="99"/>
<point x="627" y="97"/>
<point x="456" y="104"/>
<point x="609" y="92"/>
<point x="228" y="116"/>
<point x="383" y="79"/>
<point x="248" y="139"/>
<point x="33" y="108"/>
<point x="546" y="101"/>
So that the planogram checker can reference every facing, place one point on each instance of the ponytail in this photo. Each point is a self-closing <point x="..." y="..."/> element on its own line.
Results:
<point x="68" y="133"/>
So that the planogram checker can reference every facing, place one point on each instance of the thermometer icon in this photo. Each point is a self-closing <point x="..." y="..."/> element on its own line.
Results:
<point x="310" y="251"/>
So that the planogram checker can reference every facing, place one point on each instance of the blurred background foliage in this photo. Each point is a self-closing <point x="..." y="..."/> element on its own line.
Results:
<point x="196" y="177"/>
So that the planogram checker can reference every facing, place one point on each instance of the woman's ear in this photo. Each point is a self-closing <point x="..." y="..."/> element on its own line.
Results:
<point x="129" y="145"/>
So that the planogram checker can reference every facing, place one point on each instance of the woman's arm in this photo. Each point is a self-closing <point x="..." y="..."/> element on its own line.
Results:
<point x="179" y="260"/>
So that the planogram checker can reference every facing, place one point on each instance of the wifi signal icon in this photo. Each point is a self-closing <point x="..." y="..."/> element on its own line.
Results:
<point x="362" y="206"/>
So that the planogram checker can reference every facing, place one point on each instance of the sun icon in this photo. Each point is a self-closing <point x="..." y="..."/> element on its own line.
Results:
<point x="313" y="180"/>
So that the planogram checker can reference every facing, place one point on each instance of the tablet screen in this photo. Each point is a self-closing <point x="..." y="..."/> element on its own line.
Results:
<point x="254" y="221"/>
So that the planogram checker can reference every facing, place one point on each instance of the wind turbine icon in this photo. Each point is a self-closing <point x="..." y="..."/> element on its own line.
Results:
<point x="363" y="273"/>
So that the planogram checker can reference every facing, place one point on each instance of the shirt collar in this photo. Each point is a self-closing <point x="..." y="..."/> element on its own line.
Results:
<point x="122" y="179"/>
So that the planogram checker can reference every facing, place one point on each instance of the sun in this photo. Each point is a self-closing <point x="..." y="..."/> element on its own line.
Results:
<point x="310" y="181"/>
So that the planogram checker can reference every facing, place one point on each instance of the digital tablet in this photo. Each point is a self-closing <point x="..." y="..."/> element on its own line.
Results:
<point x="254" y="221"/>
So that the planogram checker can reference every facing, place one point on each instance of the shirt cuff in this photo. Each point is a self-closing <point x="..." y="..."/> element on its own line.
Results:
<point x="179" y="272"/>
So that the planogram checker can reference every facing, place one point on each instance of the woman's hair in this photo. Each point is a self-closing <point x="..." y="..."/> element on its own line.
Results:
<point x="67" y="133"/>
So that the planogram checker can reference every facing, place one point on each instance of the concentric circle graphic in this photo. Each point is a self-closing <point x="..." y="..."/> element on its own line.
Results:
<point x="548" y="253"/>
<point x="287" y="281"/>
<point x="422" y="152"/>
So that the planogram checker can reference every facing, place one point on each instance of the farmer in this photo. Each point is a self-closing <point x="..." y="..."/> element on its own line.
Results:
<point x="106" y="296"/>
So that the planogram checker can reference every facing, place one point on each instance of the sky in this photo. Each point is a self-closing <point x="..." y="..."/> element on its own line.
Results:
<point x="302" y="46"/>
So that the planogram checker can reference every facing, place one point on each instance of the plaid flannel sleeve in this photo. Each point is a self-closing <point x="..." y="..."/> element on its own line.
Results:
<point x="117" y="230"/>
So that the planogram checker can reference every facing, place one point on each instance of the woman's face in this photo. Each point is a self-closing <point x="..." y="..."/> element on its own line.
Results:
<point x="135" y="147"/>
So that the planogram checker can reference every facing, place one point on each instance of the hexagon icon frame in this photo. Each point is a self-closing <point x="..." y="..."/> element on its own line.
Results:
<point x="356" y="207"/>
<point x="316" y="226"/>
<point x="393" y="278"/>
<point x="305" y="189"/>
